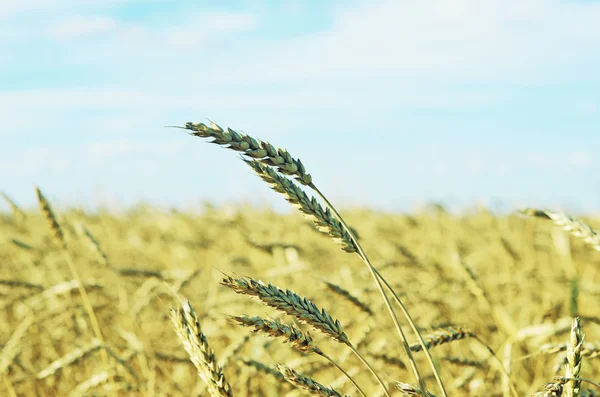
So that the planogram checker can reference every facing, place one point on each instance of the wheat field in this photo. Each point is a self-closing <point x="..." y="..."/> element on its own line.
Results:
<point x="243" y="301"/>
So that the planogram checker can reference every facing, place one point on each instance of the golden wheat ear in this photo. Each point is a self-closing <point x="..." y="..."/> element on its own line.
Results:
<point x="187" y="326"/>
<point x="574" y="226"/>
<point x="306" y="383"/>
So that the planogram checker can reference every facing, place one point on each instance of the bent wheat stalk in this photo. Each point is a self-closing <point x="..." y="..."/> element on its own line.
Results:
<point x="264" y="157"/>
<point x="59" y="239"/>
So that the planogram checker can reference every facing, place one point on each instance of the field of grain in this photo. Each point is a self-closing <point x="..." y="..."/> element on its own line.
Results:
<point x="95" y="303"/>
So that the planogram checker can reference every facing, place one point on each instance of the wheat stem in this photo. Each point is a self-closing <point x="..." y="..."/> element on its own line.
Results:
<point x="378" y="280"/>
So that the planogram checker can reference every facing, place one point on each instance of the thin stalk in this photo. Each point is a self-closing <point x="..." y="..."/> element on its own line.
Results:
<point x="378" y="279"/>
<point x="88" y="307"/>
<point x="361" y="358"/>
<point x="345" y="373"/>
<point x="500" y="365"/>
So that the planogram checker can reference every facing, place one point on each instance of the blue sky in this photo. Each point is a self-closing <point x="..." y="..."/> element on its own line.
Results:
<point x="388" y="103"/>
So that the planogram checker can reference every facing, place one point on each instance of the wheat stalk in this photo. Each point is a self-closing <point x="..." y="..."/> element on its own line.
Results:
<point x="262" y="368"/>
<point x="187" y="327"/>
<point x="297" y="339"/>
<point x="329" y="220"/>
<point x="58" y="234"/>
<point x="12" y="347"/>
<point x="303" y="309"/>
<point x="68" y="359"/>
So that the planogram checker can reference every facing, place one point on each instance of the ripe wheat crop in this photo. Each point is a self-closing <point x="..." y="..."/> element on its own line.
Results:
<point x="150" y="302"/>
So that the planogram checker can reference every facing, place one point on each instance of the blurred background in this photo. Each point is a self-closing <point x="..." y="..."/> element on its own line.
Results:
<point x="388" y="103"/>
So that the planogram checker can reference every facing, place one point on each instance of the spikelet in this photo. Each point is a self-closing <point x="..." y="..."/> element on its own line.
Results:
<point x="55" y="227"/>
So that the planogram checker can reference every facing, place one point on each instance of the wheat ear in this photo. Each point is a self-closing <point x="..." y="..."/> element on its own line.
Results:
<point x="289" y="302"/>
<point x="329" y="221"/>
<point x="346" y="233"/>
<point x="93" y="244"/>
<point x="452" y="333"/>
<point x="572" y="387"/>
<point x="348" y="296"/>
<point x="297" y="339"/>
<point x="443" y="336"/>
<point x="323" y="219"/>
<point x="254" y="148"/>
<point x="303" y="309"/>
<point x="187" y="327"/>
<point x="574" y="226"/>
<point x="305" y="383"/>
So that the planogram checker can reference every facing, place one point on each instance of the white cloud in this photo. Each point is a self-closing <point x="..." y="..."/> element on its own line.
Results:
<point x="80" y="26"/>
<point x="573" y="159"/>
<point x="32" y="161"/>
<point x="12" y="8"/>
<point x="439" y="40"/>
<point x="207" y="27"/>
<point x="37" y="161"/>
<point x="20" y="101"/>
<point x="127" y="147"/>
